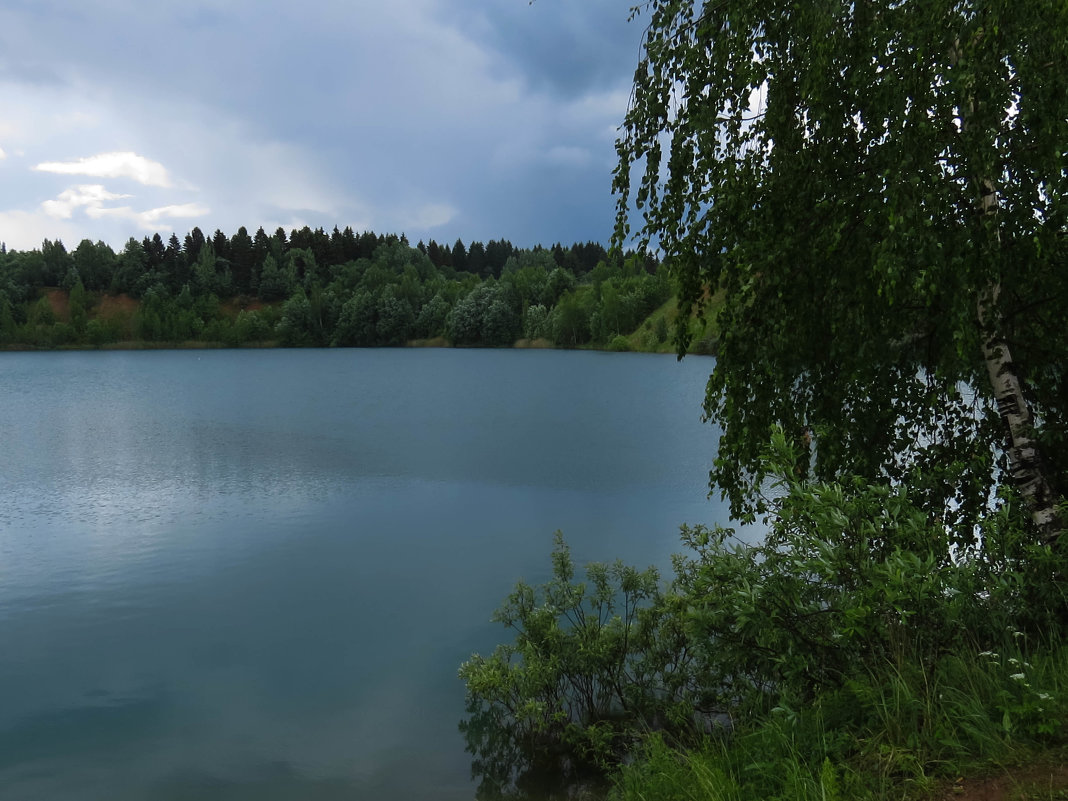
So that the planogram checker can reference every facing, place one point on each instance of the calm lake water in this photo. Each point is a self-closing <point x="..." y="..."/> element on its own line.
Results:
<point x="253" y="574"/>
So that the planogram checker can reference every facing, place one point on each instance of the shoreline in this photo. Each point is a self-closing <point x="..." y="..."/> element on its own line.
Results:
<point x="132" y="345"/>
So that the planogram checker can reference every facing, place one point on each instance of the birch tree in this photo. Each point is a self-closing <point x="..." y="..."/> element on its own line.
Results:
<point x="878" y="190"/>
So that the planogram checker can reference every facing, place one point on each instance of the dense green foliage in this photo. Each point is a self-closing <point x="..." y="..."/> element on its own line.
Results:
<point x="880" y="191"/>
<point x="315" y="289"/>
<point x="843" y="639"/>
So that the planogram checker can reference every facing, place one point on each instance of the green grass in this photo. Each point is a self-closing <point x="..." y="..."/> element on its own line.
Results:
<point x="654" y="334"/>
<point x="902" y="732"/>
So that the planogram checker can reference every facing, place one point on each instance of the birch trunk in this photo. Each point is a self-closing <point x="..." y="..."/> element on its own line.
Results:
<point x="1025" y="460"/>
<point x="1026" y="468"/>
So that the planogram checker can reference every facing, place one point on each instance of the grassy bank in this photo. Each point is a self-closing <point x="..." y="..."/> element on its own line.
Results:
<point x="975" y="725"/>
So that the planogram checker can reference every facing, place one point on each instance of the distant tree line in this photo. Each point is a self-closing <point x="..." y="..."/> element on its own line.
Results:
<point x="312" y="288"/>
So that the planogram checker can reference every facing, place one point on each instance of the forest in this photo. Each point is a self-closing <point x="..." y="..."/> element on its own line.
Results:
<point x="314" y="289"/>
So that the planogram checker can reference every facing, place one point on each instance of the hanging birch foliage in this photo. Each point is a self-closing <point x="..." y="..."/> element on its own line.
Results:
<point x="879" y="190"/>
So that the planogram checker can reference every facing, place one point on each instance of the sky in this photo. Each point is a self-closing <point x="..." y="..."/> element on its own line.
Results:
<point x="443" y="119"/>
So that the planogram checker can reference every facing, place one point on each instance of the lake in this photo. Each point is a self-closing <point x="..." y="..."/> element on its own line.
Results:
<point x="253" y="574"/>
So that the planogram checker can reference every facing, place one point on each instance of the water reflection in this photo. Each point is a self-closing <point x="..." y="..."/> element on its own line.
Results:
<point x="274" y="780"/>
<point x="508" y="767"/>
<point x="236" y="575"/>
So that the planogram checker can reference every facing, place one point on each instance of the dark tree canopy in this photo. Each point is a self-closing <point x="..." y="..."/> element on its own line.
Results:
<point x="313" y="289"/>
<point x="878" y="190"/>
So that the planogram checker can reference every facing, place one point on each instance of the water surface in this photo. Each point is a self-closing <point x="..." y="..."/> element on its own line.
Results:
<point x="253" y="574"/>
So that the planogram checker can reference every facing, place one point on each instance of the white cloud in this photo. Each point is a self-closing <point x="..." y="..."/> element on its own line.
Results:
<point x="3" y="155"/>
<point x="183" y="210"/>
<point x="431" y="216"/>
<point x="93" y="197"/>
<point x="88" y="195"/>
<point x="152" y="219"/>
<point x="113" y="165"/>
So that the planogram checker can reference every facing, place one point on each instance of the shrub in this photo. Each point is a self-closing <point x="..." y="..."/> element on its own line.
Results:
<point x="593" y="666"/>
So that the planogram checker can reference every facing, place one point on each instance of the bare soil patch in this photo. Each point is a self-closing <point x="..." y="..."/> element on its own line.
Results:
<point x="533" y="343"/>
<point x="240" y="303"/>
<point x="59" y="300"/>
<point x="1041" y="782"/>
<point x="113" y="306"/>
<point x="435" y="342"/>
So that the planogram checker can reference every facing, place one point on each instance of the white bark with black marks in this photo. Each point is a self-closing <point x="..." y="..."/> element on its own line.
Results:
<point x="1025" y="460"/>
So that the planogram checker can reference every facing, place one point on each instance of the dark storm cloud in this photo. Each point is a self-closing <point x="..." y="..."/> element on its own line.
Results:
<point x="445" y="118"/>
<point x="558" y="46"/>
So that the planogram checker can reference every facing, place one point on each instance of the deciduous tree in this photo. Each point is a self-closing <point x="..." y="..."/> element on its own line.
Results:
<point x="879" y="190"/>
